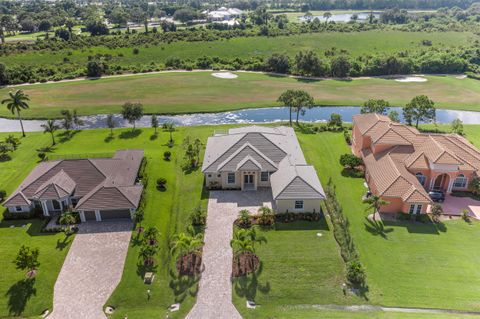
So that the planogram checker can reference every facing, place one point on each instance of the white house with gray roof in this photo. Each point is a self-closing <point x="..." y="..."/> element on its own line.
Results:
<point x="251" y="157"/>
<point x="98" y="189"/>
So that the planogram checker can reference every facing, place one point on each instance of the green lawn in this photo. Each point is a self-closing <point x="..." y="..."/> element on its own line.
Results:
<point x="17" y="296"/>
<point x="189" y="92"/>
<point x="409" y="264"/>
<point x="357" y="43"/>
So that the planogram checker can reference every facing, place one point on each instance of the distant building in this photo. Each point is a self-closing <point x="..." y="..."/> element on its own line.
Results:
<point x="223" y="14"/>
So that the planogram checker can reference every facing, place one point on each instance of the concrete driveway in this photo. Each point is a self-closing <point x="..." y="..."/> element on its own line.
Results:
<point x="214" y="298"/>
<point x="455" y="205"/>
<point x="92" y="270"/>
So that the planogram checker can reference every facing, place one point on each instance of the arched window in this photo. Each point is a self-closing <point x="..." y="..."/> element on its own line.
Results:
<point x="460" y="181"/>
<point x="421" y="178"/>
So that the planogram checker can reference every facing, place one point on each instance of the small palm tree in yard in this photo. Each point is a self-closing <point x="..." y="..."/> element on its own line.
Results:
<point x="50" y="127"/>
<point x="187" y="249"/>
<point x="267" y="217"/>
<point x="150" y="236"/>
<point x="244" y="218"/>
<point x="147" y="254"/>
<point x="16" y="102"/>
<point x="169" y="127"/>
<point x="155" y="123"/>
<point x="13" y="141"/>
<point x="67" y="219"/>
<point x="243" y="245"/>
<point x="111" y="123"/>
<point x="375" y="203"/>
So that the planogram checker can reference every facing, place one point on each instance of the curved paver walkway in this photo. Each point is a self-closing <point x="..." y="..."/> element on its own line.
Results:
<point x="214" y="300"/>
<point x="92" y="270"/>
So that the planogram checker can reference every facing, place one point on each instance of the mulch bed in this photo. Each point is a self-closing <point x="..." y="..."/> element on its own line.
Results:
<point x="189" y="265"/>
<point x="244" y="264"/>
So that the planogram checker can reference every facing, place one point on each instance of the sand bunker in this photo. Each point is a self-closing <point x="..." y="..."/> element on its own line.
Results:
<point x="461" y="77"/>
<point x="225" y="75"/>
<point x="411" y="79"/>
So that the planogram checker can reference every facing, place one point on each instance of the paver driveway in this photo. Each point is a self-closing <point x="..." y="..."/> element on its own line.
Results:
<point x="92" y="270"/>
<point x="214" y="300"/>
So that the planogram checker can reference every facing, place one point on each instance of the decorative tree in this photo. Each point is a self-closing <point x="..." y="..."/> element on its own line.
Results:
<point x="419" y="109"/>
<point x="111" y="123"/>
<point x="375" y="203"/>
<point x="132" y="112"/>
<point x="67" y="122"/>
<point x="155" y="123"/>
<point x="50" y="127"/>
<point x="192" y="150"/>
<point x="297" y="101"/>
<point x="16" y="102"/>
<point x="77" y="121"/>
<point x="169" y="127"/>
<point x="436" y="211"/>
<point x="335" y="121"/>
<point x="27" y="259"/>
<point x="375" y="106"/>
<point x="457" y="126"/>
<point x="267" y="217"/>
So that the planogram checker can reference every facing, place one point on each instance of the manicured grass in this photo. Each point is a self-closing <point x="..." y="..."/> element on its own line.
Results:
<point x="17" y="296"/>
<point x="297" y="267"/>
<point x="356" y="43"/>
<point x="189" y="92"/>
<point x="408" y="264"/>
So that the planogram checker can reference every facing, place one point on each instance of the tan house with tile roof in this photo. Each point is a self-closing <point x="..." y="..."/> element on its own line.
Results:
<point x="402" y="164"/>
<point x="251" y="157"/>
<point x="100" y="188"/>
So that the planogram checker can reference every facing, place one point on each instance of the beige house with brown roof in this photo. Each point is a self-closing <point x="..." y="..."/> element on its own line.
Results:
<point x="402" y="164"/>
<point x="100" y="188"/>
<point x="253" y="157"/>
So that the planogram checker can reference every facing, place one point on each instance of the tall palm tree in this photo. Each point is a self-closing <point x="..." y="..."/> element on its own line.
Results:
<point x="169" y="127"/>
<point x="375" y="203"/>
<point x="147" y="253"/>
<point x="16" y="102"/>
<point x="151" y="235"/>
<point x="50" y="127"/>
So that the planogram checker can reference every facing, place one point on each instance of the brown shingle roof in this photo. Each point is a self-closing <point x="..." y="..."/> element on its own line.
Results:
<point x="87" y="178"/>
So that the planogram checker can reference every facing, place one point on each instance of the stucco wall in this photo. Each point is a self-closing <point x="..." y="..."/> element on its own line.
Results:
<point x="309" y="206"/>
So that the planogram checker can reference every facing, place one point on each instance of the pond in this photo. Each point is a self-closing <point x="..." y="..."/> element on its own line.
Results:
<point x="342" y="17"/>
<point x="262" y="115"/>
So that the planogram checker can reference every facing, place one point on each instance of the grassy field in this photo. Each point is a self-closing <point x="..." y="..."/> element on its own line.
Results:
<point x="17" y="296"/>
<point x="357" y="43"/>
<point x="298" y="268"/>
<point x="190" y="92"/>
<point x="408" y="264"/>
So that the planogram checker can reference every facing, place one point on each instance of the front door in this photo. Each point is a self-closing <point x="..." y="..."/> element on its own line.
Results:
<point x="248" y="180"/>
<point x="56" y="205"/>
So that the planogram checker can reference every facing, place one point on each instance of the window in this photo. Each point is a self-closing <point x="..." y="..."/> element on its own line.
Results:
<point x="264" y="176"/>
<point x="421" y="178"/>
<point x="209" y="175"/>
<point x="460" y="181"/>
<point x="415" y="209"/>
<point x="219" y="175"/>
<point x="231" y="178"/>
<point x="299" y="204"/>
<point x="18" y="208"/>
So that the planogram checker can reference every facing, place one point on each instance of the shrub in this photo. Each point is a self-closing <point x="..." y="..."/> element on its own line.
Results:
<point x="436" y="211"/>
<point x="198" y="217"/>
<point x="348" y="137"/>
<point x="3" y="195"/>
<point x="14" y="216"/>
<point x="466" y="215"/>
<point x="356" y="273"/>
<point x="244" y="218"/>
<point x="161" y="183"/>
<point x="136" y="51"/>
<point x="267" y="217"/>
<point x="167" y="155"/>
<point x="351" y="161"/>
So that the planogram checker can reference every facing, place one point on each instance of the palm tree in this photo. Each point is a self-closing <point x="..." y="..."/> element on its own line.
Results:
<point x="151" y="235"/>
<point x="169" y="127"/>
<point x="15" y="103"/>
<point x="50" y="127"/>
<point x="147" y="253"/>
<point x="184" y="244"/>
<point x="267" y="216"/>
<point x="242" y="246"/>
<point x="375" y="203"/>
<point x="327" y="15"/>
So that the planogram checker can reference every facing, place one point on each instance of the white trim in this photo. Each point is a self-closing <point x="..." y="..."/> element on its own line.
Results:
<point x="98" y="216"/>
<point x="82" y="216"/>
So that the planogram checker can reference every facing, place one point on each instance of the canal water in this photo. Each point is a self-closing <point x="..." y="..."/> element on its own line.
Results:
<point x="262" y="115"/>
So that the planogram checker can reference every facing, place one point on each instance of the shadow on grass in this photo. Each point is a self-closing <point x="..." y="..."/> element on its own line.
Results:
<point x="67" y="136"/>
<point x="19" y="294"/>
<point x="46" y="149"/>
<point x="205" y="192"/>
<point x="5" y="158"/>
<point x="153" y="137"/>
<point x="377" y="228"/>
<point x="248" y="286"/>
<point x="142" y="268"/>
<point x="109" y="138"/>
<point x="304" y="128"/>
<point x="415" y="227"/>
<point x="303" y="225"/>
<point x="130" y="134"/>
<point x="183" y="286"/>
<point x="62" y="244"/>
<point x="353" y="173"/>
<point x="304" y="80"/>
<point x="187" y="168"/>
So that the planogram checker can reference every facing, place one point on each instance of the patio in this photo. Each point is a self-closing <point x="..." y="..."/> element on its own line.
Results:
<point x="454" y="205"/>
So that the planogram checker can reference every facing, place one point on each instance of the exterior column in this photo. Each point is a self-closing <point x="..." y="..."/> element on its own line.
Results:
<point x="45" y="208"/>
<point x="82" y="216"/>
<point x="432" y="181"/>
<point x="132" y="213"/>
<point x="98" y="216"/>
<point x="61" y="205"/>
<point x="450" y="184"/>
